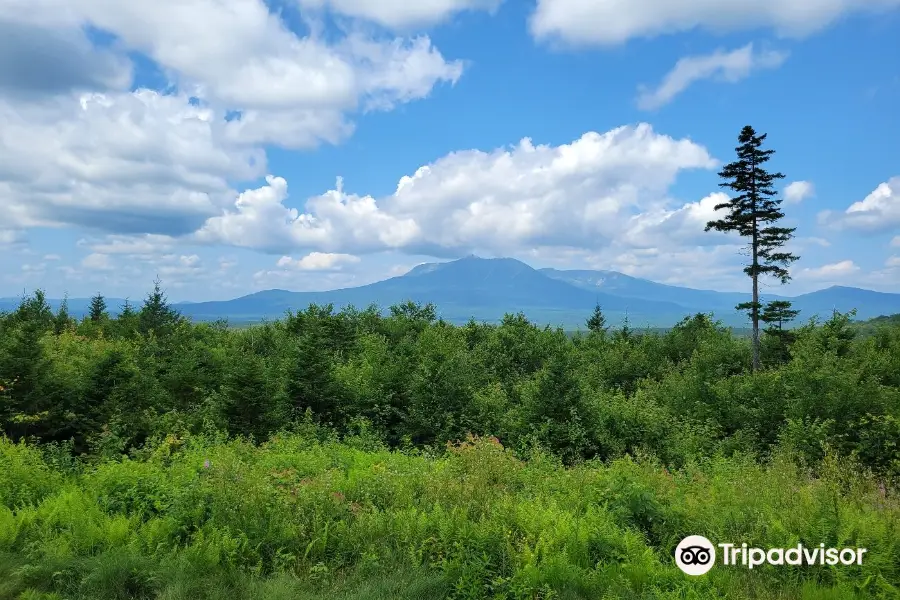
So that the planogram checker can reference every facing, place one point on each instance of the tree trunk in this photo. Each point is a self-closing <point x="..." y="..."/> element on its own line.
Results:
<point x="755" y="310"/>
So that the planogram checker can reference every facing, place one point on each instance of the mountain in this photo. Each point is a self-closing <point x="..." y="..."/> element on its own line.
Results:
<point x="822" y="303"/>
<point x="470" y="287"/>
<point x="486" y="289"/>
<point x="77" y="306"/>
<point x="626" y="286"/>
<point x="867" y="303"/>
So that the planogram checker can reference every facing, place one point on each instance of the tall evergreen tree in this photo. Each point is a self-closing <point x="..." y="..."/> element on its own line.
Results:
<point x="156" y="314"/>
<point x="62" y="320"/>
<point x="596" y="323"/>
<point x="752" y="213"/>
<point x="776" y="315"/>
<point x="98" y="308"/>
<point x="126" y="322"/>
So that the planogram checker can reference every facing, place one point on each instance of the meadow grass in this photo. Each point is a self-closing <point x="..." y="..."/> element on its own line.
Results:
<point x="300" y="518"/>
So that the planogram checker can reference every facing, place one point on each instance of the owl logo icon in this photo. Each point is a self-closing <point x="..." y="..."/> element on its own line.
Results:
<point x="695" y="555"/>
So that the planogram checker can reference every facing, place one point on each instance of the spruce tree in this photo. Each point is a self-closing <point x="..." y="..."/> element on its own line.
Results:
<point x="753" y="213"/>
<point x="97" y="310"/>
<point x="126" y="322"/>
<point x="597" y="321"/>
<point x="62" y="320"/>
<point x="156" y="314"/>
<point x="776" y="315"/>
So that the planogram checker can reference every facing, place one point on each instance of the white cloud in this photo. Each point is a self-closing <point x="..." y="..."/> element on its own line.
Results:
<point x="815" y="240"/>
<point x="52" y="61"/>
<point x="895" y="242"/>
<point x="335" y="220"/>
<point x="581" y="193"/>
<point x="720" y="65"/>
<point x="877" y="212"/>
<point x="238" y="53"/>
<point x="142" y="162"/>
<point x="8" y="237"/>
<point x="616" y="21"/>
<point x="797" y="191"/>
<point x="834" y="270"/>
<point x="83" y="150"/>
<point x="892" y="262"/>
<point x="400" y="14"/>
<point x="685" y="225"/>
<point x="97" y="261"/>
<point x="132" y="245"/>
<point x="318" y="261"/>
<point x="34" y="268"/>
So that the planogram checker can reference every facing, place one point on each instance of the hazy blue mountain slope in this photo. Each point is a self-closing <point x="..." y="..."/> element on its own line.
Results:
<point x="469" y="287"/>
<point x="485" y="289"/>
<point x="627" y="286"/>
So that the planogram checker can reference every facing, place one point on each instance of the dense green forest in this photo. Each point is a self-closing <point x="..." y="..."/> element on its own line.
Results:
<point x="350" y="454"/>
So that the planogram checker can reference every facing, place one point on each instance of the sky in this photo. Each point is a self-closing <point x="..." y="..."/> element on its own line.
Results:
<point x="231" y="146"/>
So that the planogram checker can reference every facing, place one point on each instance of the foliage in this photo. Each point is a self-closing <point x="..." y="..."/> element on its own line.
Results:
<point x="344" y="452"/>
<point x="752" y="214"/>
<point x="302" y="518"/>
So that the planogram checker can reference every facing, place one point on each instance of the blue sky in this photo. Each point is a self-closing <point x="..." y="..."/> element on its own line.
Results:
<point x="234" y="146"/>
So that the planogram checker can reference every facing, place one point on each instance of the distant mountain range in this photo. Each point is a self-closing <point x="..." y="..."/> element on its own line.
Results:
<point x="485" y="289"/>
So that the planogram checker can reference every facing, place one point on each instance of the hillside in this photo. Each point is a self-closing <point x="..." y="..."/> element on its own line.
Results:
<point x="470" y="287"/>
<point x="486" y="289"/>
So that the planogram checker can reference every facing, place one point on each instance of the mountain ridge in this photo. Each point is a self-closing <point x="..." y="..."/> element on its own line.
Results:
<point x="487" y="288"/>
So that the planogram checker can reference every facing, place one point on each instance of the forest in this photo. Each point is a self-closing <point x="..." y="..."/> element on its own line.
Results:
<point x="368" y="455"/>
<point x="355" y="454"/>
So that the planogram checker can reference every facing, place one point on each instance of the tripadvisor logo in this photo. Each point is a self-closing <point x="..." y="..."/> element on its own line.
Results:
<point x="696" y="555"/>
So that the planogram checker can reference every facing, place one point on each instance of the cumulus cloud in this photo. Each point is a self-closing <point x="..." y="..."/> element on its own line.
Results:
<point x="97" y="261"/>
<point x="797" y="191"/>
<point x="127" y="163"/>
<point x="616" y="21"/>
<point x="132" y="245"/>
<point x="833" y="270"/>
<point x="877" y="212"/>
<point x="36" y="60"/>
<point x="318" y="261"/>
<point x="581" y="193"/>
<point x="399" y="14"/>
<point x="239" y="53"/>
<point x="334" y="220"/>
<point x="9" y="237"/>
<point x="82" y="149"/>
<point x="683" y="225"/>
<point x="895" y="241"/>
<point x="720" y="65"/>
<point x="814" y="240"/>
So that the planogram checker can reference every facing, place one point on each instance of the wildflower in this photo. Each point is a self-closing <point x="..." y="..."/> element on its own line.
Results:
<point x="206" y="464"/>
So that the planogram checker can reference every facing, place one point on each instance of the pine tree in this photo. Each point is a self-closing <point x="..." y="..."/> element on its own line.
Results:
<point x="776" y="314"/>
<point x="752" y="214"/>
<point x="624" y="334"/>
<point x="127" y="310"/>
<point x="97" y="310"/>
<point x="62" y="320"/>
<point x="156" y="314"/>
<point x="597" y="321"/>
<point x="126" y="322"/>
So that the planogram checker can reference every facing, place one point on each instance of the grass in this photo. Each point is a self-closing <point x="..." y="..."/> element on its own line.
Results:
<point x="296" y="518"/>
